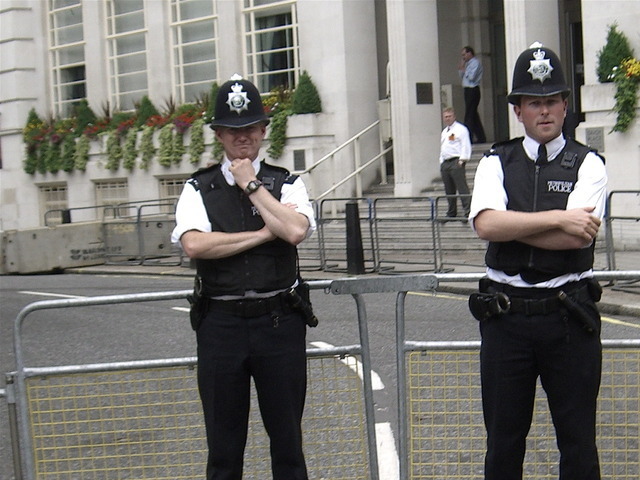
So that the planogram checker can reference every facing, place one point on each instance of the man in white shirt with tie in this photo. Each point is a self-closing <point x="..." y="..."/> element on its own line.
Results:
<point x="539" y="202"/>
<point x="455" y="151"/>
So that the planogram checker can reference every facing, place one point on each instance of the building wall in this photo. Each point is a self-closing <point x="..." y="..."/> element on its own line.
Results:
<point x="622" y="150"/>
<point x="338" y="47"/>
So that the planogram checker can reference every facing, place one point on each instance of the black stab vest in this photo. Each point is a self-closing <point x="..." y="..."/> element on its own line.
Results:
<point x="265" y="268"/>
<point x="533" y="188"/>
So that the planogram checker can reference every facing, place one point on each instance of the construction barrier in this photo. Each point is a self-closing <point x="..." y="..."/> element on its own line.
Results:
<point x="143" y="420"/>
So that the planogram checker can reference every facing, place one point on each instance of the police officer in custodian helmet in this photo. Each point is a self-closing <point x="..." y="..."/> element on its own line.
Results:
<point x="539" y="202"/>
<point x="241" y="221"/>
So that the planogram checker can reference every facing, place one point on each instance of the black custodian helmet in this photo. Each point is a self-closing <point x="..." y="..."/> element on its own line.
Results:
<point x="537" y="73"/>
<point x="238" y="105"/>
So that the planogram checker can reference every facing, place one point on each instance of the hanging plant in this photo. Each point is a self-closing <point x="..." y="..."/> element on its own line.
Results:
<point x="130" y="153"/>
<point x="217" y="151"/>
<point x="178" y="147"/>
<point x="33" y="135"/>
<point x="147" y="150"/>
<point x="114" y="151"/>
<point x="626" y="76"/>
<point x="68" y="150"/>
<point x="81" y="156"/>
<point x="165" y="150"/>
<point x="278" y="134"/>
<point x="196" y="145"/>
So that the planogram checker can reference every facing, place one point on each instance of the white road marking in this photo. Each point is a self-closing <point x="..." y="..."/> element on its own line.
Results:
<point x="49" y="294"/>
<point x="388" y="463"/>
<point x="376" y="382"/>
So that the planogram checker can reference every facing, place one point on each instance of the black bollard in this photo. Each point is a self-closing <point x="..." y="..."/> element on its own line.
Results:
<point x="355" y="255"/>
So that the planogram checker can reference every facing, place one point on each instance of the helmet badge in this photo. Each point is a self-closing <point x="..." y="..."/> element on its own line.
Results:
<point x="237" y="99"/>
<point x="540" y="68"/>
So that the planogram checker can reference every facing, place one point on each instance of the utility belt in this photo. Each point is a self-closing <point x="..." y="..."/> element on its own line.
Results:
<point x="495" y="299"/>
<point x="292" y="300"/>
<point x="252" y="307"/>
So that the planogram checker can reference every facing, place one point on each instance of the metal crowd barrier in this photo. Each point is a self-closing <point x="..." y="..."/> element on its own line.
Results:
<point x="142" y="419"/>
<point x="616" y="222"/>
<point x="441" y="430"/>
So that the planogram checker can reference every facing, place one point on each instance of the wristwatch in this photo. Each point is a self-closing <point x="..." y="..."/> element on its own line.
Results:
<point x="252" y="186"/>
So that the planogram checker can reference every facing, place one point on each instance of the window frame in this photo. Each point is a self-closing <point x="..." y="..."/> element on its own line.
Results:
<point x="254" y="9"/>
<point x="178" y="47"/>
<point x="61" y="106"/>
<point x="120" y="98"/>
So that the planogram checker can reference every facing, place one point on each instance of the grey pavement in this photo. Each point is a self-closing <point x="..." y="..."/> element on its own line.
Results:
<point x="621" y="297"/>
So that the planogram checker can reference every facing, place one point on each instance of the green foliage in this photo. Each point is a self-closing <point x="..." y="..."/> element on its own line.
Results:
<point x="68" y="150"/>
<point x="278" y="134"/>
<point x="627" y="79"/>
<point x="119" y="118"/>
<point x="31" y="162"/>
<point x="611" y="55"/>
<point x="213" y="94"/>
<point x="146" y="109"/>
<point x="81" y="156"/>
<point x="147" y="150"/>
<point x="52" y="145"/>
<point x="178" y="147"/>
<point x="114" y="151"/>
<point x="84" y="116"/>
<point x="130" y="153"/>
<point x="305" y="97"/>
<point x="196" y="145"/>
<point x="165" y="150"/>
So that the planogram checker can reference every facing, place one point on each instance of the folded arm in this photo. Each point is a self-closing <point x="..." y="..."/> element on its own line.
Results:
<point x="551" y="229"/>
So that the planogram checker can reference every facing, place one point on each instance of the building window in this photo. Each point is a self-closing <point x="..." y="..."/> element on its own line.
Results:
<point x="53" y="203"/>
<point x="194" y="48"/>
<point x="110" y="194"/>
<point x="271" y="43"/>
<point x="170" y="190"/>
<point x="66" y="53"/>
<point x="126" y="39"/>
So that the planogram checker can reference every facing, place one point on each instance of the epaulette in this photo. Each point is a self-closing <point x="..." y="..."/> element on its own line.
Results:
<point x="289" y="178"/>
<point x="494" y="148"/>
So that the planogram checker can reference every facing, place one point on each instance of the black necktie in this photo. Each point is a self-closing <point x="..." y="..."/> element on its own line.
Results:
<point x="542" y="154"/>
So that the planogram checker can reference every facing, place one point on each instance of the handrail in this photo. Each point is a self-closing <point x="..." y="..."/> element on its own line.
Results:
<point x="357" y="168"/>
<point x="352" y="174"/>
<point x="336" y="150"/>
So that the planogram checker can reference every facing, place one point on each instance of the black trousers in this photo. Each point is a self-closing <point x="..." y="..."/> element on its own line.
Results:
<point x="516" y="350"/>
<point x="271" y="350"/>
<point x="471" y="117"/>
<point x="454" y="179"/>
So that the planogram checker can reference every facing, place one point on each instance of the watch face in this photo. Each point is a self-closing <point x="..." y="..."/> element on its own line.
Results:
<point x="252" y="186"/>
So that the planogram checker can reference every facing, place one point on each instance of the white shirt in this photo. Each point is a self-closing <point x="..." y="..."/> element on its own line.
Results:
<point x="191" y="213"/>
<point x="455" y="142"/>
<point x="489" y="194"/>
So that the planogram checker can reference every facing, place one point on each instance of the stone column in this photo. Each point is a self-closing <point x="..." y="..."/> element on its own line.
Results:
<point x="414" y="76"/>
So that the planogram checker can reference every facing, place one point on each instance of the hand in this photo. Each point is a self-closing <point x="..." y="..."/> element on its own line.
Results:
<point x="242" y="171"/>
<point x="580" y="223"/>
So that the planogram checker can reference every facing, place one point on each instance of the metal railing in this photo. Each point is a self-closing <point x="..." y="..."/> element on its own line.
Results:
<point x="143" y="418"/>
<point x="337" y="180"/>
<point x="446" y="442"/>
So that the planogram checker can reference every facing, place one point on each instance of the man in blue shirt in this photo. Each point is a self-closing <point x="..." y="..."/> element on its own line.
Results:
<point x="470" y="70"/>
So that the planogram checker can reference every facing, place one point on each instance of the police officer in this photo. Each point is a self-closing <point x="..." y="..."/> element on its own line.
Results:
<point x="241" y="221"/>
<point x="539" y="201"/>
